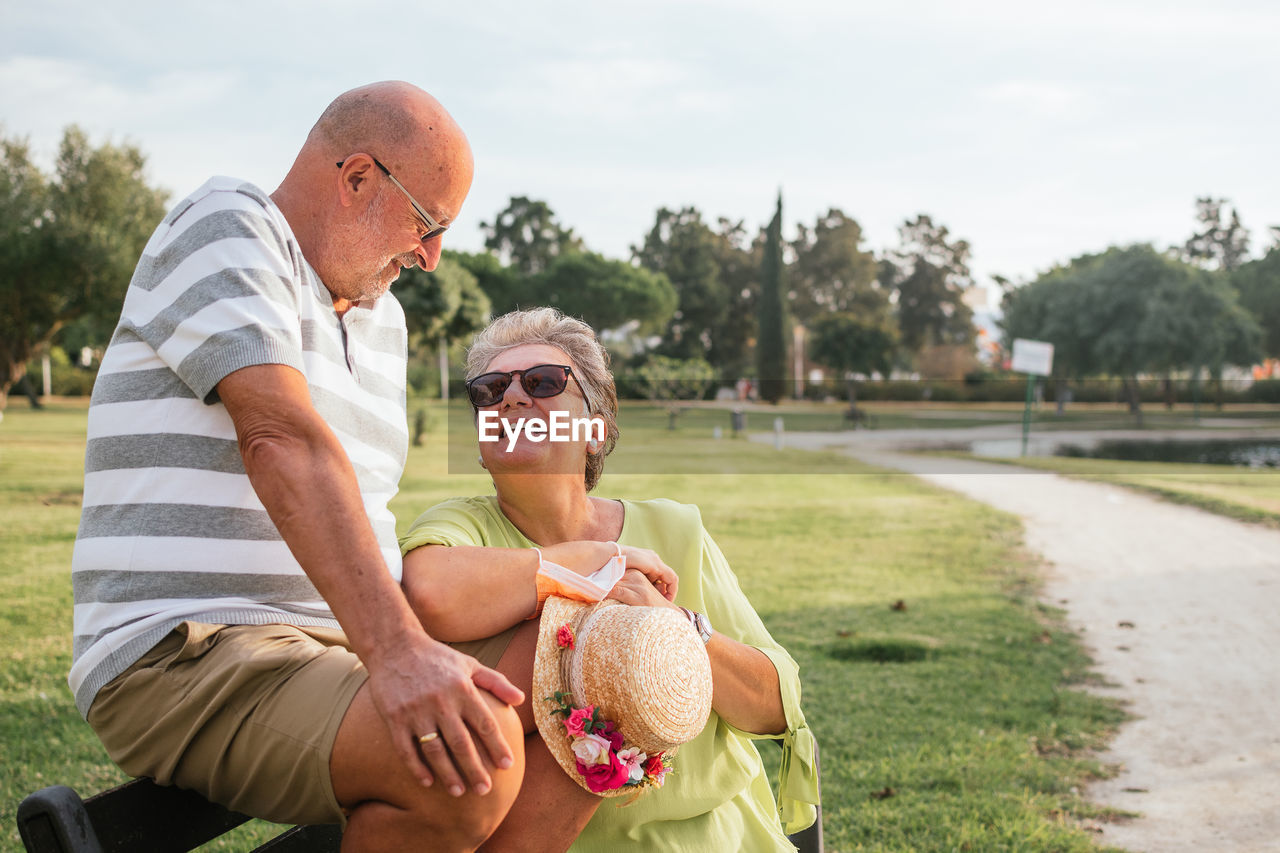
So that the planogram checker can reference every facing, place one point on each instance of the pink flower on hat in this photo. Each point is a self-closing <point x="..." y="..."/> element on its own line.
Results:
<point x="591" y="750"/>
<point x="564" y="637"/>
<point x="579" y="719"/>
<point x="609" y="776"/>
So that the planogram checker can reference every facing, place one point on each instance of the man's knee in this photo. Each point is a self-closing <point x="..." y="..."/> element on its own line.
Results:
<point x="388" y="803"/>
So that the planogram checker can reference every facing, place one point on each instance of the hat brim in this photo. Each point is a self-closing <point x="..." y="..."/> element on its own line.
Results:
<point x="557" y="611"/>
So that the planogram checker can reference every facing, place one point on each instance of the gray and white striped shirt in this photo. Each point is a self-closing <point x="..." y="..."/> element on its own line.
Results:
<point x="172" y="529"/>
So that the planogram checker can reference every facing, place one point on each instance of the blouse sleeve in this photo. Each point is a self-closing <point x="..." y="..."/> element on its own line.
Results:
<point x="455" y="522"/>
<point x="732" y="614"/>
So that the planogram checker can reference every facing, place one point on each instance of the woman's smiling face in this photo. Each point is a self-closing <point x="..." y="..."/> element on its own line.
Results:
<point x="526" y="455"/>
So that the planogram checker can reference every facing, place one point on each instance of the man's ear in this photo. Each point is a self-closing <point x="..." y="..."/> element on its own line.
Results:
<point x="353" y="179"/>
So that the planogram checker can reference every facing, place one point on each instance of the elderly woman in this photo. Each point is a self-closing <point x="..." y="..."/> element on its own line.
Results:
<point x="470" y="573"/>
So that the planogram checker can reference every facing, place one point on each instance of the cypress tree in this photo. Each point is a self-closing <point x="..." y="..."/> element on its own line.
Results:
<point x="771" y="344"/>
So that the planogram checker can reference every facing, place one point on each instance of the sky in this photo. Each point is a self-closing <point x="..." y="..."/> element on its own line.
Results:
<point x="1037" y="132"/>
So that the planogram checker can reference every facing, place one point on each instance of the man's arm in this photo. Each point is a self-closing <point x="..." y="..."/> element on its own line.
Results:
<point x="304" y="479"/>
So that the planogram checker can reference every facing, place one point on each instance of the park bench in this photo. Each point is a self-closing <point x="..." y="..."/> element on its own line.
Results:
<point x="143" y="817"/>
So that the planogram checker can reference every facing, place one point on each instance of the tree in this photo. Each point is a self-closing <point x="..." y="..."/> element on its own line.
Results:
<point x="831" y="271"/>
<point x="445" y="304"/>
<point x="503" y="285"/>
<point x="441" y="307"/>
<point x="69" y="242"/>
<point x="680" y="246"/>
<point x="1195" y="321"/>
<point x="928" y="274"/>
<point x="604" y="293"/>
<point x="716" y="276"/>
<point x="771" y="342"/>
<point x="851" y="343"/>
<point x="737" y="258"/>
<point x="666" y="380"/>
<point x="1128" y="311"/>
<point x="1218" y="245"/>
<point x="527" y="236"/>
<point x="1258" y="285"/>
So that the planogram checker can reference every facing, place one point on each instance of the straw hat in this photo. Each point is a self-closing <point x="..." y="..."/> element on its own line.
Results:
<point x="645" y="671"/>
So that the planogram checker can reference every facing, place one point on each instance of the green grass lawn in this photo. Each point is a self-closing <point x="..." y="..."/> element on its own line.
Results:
<point x="1240" y="493"/>
<point x="957" y="721"/>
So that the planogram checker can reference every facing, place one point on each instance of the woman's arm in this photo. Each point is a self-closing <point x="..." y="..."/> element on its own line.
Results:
<point x="745" y="688"/>
<point x="469" y="592"/>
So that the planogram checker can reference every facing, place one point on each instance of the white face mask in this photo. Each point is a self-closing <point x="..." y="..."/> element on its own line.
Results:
<point x="558" y="580"/>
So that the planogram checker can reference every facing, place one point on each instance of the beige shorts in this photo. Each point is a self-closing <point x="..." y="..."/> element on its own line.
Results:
<point x="244" y="714"/>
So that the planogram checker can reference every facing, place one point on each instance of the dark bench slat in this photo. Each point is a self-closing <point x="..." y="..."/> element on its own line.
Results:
<point x="321" y="838"/>
<point x="143" y="816"/>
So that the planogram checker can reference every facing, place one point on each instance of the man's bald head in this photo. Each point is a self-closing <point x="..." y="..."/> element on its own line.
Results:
<point x="392" y="118"/>
<point x="336" y="212"/>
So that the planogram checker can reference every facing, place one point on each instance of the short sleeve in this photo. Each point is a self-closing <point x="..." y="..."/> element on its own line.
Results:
<point x="455" y="522"/>
<point x="217" y="290"/>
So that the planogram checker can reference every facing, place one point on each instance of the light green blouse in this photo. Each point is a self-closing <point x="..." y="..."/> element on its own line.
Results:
<point x="717" y="798"/>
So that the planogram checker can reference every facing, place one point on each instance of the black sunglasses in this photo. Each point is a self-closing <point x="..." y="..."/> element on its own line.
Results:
<point x="541" y="380"/>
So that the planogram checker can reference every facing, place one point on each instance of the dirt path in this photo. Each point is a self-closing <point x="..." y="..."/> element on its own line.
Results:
<point x="1181" y="611"/>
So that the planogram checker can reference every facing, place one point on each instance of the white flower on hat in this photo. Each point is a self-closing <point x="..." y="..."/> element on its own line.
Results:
<point x="633" y="759"/>
<point x="591" y="749"/>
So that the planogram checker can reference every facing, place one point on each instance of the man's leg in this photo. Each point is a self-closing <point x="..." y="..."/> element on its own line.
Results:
<point x="388" y="809"/>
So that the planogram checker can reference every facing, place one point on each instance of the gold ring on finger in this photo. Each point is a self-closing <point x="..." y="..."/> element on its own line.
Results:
<point x="427" y="738"/>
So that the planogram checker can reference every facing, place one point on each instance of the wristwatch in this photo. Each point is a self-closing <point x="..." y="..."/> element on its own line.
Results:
<point x="701" y="623"/>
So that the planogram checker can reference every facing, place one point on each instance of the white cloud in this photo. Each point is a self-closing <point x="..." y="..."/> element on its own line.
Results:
<point x="1040" y="99"/>
<point x="44" y="94"/>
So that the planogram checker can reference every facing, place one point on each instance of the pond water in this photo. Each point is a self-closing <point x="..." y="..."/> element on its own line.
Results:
<point x="1239" y="453"/>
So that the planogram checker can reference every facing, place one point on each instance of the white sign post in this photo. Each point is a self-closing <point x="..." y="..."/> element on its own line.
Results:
<point x="1034" y="358"/>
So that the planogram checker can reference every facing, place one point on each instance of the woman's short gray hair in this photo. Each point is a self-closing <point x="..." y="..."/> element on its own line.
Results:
<point x="589" y="360"/>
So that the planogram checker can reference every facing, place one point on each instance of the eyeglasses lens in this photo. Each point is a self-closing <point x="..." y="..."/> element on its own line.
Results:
<point x="544" y="380"/>
<point x="488" y="389"/>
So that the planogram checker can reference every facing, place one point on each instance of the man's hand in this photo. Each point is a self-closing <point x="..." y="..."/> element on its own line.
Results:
<point x="428" y="687"/>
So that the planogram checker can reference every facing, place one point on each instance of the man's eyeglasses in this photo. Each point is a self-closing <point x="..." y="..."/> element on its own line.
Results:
<point x="434" y="229"/>
<point x="541" y="380"/>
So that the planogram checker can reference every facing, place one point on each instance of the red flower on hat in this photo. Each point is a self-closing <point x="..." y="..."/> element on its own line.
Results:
<point x="656" y="768"/>
<point x="609" y="776"/>
<point x="611" y="733"/>
<point x="564" y="637"/>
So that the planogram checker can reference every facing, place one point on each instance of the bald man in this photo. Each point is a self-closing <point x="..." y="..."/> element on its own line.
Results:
<point x="239" y="625"/>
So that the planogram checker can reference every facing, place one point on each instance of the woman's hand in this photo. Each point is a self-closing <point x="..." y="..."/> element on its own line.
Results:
<point x="637" y="590"/>
<point x="661" y="577"/>
<point x="586" y="557"/>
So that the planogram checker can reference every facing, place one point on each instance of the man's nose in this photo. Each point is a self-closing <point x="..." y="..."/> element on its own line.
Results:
<point x="428" y="254"/>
